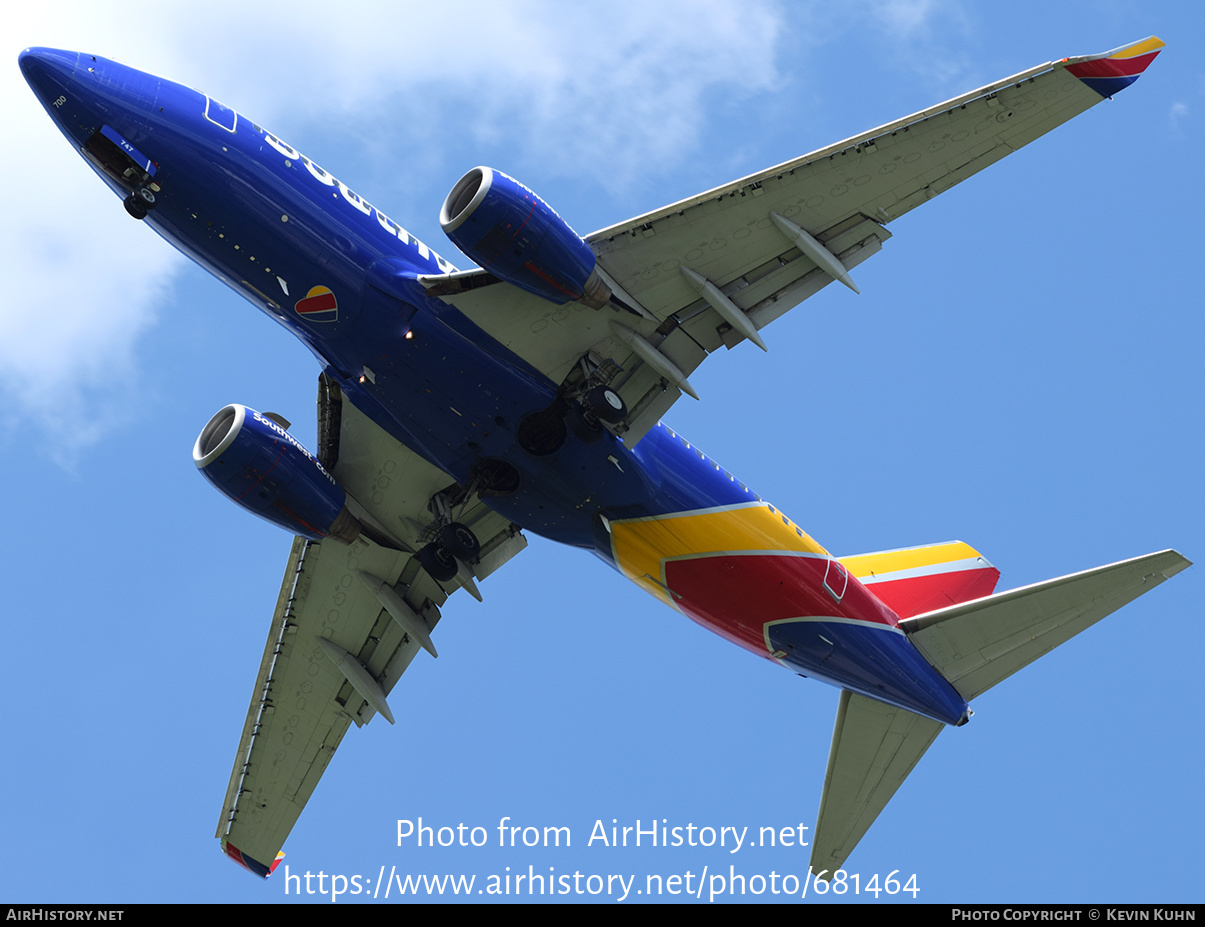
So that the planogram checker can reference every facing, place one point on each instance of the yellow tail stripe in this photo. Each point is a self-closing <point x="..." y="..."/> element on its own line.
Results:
<point x="641" y="545"/>
<point x="907" y="558"/>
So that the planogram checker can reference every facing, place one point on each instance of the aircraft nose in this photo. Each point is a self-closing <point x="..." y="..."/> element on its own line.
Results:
<point x="48" y="70"/>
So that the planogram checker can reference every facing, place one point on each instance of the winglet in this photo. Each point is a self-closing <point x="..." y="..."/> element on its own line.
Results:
<point x="251" y="865"/>
<point x="1115" y="70"/>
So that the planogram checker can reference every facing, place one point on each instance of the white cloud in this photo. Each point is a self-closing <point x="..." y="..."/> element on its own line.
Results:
<point x="82" y="284"/>
<point x="605" y="90"/>
<point x="906" y="16"/>
<point x="81" y="293"/>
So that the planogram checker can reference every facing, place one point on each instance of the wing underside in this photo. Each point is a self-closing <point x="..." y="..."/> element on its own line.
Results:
<point x="709" y="271"/>
<point x="334" y="649"/>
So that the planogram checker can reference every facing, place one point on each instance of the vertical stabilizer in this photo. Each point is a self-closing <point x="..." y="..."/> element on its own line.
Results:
<point x="914" y="580"/>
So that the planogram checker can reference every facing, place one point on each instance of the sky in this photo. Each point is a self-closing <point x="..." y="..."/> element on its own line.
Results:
<point x="1021" y="371"/>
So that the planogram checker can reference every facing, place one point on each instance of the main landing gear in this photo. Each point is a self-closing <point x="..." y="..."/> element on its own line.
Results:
<point x="454" y="547"/>
<point x="454" y="542"/>
<point x="600" y="404"/>
<point x="140" y="202"/>
<point x="585" y="406"/>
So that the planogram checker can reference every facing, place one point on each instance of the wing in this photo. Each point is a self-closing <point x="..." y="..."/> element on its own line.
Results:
<point x="339" y="638"/>
<point x="875" y="746"/>
<point x="712" y="270"/>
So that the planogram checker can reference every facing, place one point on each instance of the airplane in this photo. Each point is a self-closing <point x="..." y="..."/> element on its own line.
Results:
<point x="458" y="409"/>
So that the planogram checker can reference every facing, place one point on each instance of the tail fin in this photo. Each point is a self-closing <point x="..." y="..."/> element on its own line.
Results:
<point x="975" y="645"/>
<point x="913" y="580"/>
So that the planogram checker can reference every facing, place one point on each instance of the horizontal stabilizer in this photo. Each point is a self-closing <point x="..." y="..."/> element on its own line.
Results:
<point x="979" y="643"/>
<point x="875" y="746"/>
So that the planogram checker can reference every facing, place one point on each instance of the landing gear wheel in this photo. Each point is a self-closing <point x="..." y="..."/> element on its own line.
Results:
<point x="139" y="203"/>
<point x="607" y="404"/>
<point x="459" y="541"/>
<point x="439" y="564"/>
<point x="134" y="207"/>
<point x="583" y="424"/>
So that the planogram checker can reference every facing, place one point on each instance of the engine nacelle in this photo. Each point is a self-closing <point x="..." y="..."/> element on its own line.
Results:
<point x="257" y="463"/>
<point x="515" y="235"/>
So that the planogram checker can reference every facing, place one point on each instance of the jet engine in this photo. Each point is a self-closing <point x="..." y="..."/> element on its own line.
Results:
<point x="508" y="230"/>
<point x="257" y="463"/>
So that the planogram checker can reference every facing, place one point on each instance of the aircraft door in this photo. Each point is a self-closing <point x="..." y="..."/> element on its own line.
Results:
<point x="836" y="578"/>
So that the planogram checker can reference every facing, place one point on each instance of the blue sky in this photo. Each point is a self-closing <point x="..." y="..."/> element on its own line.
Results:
<point x="1021" y="371"/>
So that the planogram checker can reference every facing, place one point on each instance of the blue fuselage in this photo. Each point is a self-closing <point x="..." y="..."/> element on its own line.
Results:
<point x="342" y="276"/>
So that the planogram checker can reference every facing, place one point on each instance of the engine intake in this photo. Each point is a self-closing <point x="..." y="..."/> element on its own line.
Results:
<point x="258" y="464"/>
<point x="508" y="230"/>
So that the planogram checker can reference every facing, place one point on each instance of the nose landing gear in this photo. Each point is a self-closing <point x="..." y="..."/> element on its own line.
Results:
<point x="117" y="157"/>
<point x="139" y="203"/>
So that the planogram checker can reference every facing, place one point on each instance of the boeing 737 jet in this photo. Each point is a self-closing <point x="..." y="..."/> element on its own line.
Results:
<point x="458" y="409"/>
